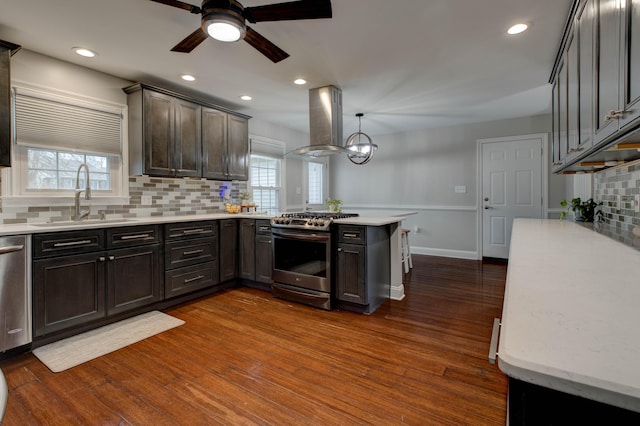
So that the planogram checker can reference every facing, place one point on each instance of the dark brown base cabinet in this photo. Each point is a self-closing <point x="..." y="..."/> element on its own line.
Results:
<point x="363" y="273"/>
<point x="84" y="276"/>
<point x="67" y="291"/>
<point x="256" y="253"/>
<point x="228" y="249"/>
<point x="191" y="257"/>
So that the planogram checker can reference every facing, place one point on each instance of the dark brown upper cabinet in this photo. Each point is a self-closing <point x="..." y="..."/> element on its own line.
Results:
<point x="172" y="135"/>
<point x="6" y="51"/>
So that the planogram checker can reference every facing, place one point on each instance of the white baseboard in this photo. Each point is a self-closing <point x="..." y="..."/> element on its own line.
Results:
<point x="458" y="254"/>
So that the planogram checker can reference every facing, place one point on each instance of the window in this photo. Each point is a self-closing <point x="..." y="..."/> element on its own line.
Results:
<point x="54" y="134"/>
<point x="57" y="170"/>
<point x="315" y="183"/>
<point x="265" y="182"/>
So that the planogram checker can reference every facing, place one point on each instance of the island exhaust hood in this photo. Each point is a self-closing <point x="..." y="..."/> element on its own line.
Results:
<point x="325" y="124"/>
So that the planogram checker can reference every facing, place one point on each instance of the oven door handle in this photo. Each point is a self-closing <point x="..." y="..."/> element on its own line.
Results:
<point x="302" y="294"/>
<point x="301" y="235"/>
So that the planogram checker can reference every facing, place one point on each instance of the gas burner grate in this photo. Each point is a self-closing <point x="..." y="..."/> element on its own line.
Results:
<point x="320" y="215"/>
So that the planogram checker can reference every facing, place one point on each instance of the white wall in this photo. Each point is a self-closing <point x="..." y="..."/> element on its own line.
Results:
<point x="419" y="170"/>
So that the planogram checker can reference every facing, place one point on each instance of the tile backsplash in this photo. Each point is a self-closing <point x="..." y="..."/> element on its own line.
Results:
<point x="169" y="197"/>
<point x="619" y="190"/>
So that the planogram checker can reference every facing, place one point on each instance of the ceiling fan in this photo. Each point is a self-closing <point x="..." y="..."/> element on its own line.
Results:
<point x="225" y="20"/>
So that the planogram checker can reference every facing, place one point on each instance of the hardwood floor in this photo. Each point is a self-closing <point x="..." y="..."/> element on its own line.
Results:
<point x="243" y="357"/>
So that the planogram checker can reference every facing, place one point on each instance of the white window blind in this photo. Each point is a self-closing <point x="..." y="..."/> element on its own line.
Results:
<point x="315" y="183"/>
<point x="60" y="124"/>
<point x="265" y="182"/>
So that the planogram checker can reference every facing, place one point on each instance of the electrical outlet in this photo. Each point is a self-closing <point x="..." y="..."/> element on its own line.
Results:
<point x="462" y="189"/>
<point x="145" y="200"/>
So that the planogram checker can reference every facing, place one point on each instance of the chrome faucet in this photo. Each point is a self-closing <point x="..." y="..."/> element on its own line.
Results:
<point x="79" y="215"/>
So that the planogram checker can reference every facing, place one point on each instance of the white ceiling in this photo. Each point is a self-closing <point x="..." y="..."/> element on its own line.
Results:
<point x="405" y="64"/>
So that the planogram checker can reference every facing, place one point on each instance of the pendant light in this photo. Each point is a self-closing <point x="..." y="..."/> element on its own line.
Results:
<point x="359" y="147"/>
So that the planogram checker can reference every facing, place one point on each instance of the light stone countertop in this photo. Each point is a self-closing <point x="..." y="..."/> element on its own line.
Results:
<point x="571" y="313"/>
<point x="35" y="228"/>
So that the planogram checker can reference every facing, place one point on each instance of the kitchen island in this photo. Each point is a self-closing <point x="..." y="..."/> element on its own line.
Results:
<point x="570" y="317"/>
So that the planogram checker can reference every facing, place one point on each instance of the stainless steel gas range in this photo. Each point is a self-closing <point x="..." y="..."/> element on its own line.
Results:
<point x="303" y="257"/>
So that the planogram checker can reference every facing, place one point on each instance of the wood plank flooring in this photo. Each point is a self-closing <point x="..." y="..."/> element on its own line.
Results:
<point x="245" y="358"/>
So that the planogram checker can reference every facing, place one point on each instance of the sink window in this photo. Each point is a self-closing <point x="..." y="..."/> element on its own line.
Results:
<point x="265" y="182"/>
<point x="54" y="134"/>
<point x="57" y="170"/>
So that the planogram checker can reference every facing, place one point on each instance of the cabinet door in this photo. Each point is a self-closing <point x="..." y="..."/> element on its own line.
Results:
<point x="238" y="148"/>
<point x="573" y="97"/>
<point x="214" y="144"/>
<point x="585" y="24"/>
<point x="607" y="68"/>
<point x="350" y="276"/>
<point x="555" y="123"/>
<point x="5" y="107"/>
<point x="133" y="278"/>
<point x="68" y="291"/>
<point x="563" y="113"/>
<point x="159" y="134"/>
<point x="188" y="142"/>
<point x="630" y="76"/>
<point x="228" y="249"/>
<point x="247" y="249"/>
<point x="264" y="259"/>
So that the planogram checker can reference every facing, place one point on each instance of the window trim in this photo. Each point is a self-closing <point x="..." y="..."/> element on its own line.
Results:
<point x="14" y="192"/>
<point x="274" y="149"/>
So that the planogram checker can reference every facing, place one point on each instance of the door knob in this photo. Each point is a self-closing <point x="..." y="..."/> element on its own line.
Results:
<point x="486" y="198"/>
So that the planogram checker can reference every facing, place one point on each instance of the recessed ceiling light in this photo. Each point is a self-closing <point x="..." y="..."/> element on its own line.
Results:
<point x="517" y="29"/>
<point x="187" y="77"/>
<point x="87" y="53"/>
<point x="300" y="81"/>
<point x="246" y="97"/>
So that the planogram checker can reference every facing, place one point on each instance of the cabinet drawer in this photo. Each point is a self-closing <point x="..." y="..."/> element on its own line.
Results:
<point x="185" y="280"/>
<point x="69" y="242"/>
<point x="352" y="234"/>
<point x="263" y="226"/>
<point x="190" y="252"/>
<point x="133" y="236"/>
<point x="176" y="231"/>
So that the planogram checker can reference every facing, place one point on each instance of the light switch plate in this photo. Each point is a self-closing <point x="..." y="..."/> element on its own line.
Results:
<point x="462" y="189"/>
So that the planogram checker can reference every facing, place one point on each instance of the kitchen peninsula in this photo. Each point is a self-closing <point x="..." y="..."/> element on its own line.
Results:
<point x="125" y="266"/>
<point x="569" y="322"/>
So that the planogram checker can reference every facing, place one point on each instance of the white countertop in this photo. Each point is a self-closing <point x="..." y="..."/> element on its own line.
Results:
<point x="34" y="228"/>
<point x="571" y="314"/>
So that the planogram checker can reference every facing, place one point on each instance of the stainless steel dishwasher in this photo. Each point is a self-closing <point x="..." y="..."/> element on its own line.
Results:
<point x="15" y="291"/>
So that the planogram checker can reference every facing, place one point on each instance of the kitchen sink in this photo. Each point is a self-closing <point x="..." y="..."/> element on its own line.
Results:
<point x="78" y="223"/>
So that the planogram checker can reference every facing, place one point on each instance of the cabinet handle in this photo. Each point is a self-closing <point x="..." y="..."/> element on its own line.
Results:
<point x="264" y="228"/>
<point x="134" y="237"/>
<point x="576" y="149"/>
<point x="72" y="243"/>
<point x="102" y="259"/>
<point x="613" y="114"/>
<point x="188" y="280"/>
<point x="339" y="249"/>
<point x="347" y="235"/>
<point x="558" y="163"/>
<point x="193" y="231"/>
<point x="112" y="258"/>
<point x="188" y="253"/>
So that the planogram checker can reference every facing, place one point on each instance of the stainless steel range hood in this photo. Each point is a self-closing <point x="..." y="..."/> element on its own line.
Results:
<point x="325" y="123"/>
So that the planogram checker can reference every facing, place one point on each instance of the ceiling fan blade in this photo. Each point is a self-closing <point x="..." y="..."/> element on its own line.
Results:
<point x="302" y="9"/>
<point x="191" y="42"/>
<point x="180" y="5"/>
<point x="264" y="46"/>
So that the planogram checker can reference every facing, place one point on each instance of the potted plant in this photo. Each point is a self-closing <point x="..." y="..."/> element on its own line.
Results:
<point x="584" y="211"/>
<point x="334" y="205"/>
<point x="245" y="197"/>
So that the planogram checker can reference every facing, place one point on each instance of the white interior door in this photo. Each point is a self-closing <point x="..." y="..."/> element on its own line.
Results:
<point x="512" y="186"/>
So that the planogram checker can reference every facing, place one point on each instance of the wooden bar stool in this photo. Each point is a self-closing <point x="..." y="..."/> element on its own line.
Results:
<point x="405" y="250"/>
